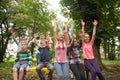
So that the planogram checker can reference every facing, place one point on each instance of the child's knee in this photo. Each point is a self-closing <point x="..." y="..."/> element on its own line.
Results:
<point x="21" y="70"/>
<point x="14" y="69"/>
<point x="51" y="68"/>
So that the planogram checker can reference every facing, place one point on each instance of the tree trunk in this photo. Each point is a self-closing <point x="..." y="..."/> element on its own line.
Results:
<point x="96" y="49"/>
<point x="105" y="49"/>
<point x="1" y="56"/>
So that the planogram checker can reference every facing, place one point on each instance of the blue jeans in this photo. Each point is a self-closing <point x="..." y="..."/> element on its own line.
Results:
<point x="62" y="70"/>
<point x="38" y="58"/>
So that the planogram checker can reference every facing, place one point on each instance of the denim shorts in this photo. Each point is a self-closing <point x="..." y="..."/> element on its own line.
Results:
<point x="20" y="64"/>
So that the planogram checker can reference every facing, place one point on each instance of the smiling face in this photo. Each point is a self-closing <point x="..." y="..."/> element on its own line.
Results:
<point x="60" y="36"/>
<point x="44" y="43"/>
<point x="75" y="42"/>
<point x="86" y="38"/>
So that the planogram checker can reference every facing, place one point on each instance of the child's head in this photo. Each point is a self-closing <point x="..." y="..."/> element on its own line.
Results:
<point x="86" y="37"/>
<point x="42" y="36"/>
<point x="24" y="45"/>
<point x="48" y="33"/>
<point x="22" y="39"/>
<point x="35" y="35"/>
<point x="44" y="43"/>
<point x="75" y="42"/>
<point x="60" y="36"/>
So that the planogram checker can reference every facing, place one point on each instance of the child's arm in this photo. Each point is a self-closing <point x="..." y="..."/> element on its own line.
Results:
<point x="59" y="27"/>
<point x="13" y="36"/>
<point x="82" y="32"/>
<point x="29" y="35"/>
<point x="55" y="31"/>
<point x="66" y="37"/>
<point x="94" y="30"/>
<point x="71" y="28"/>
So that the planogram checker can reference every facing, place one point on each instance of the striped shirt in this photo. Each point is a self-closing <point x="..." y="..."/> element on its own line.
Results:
<point x="24" y="56"/>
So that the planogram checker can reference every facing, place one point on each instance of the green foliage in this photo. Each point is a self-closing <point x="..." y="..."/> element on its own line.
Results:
<point x="107" y="12"/>
<point x="22" y="14"/>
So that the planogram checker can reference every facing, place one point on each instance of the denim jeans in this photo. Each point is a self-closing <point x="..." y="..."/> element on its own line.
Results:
<point x="94" y="69"/>
<point x="62" y="70"/>
<point x="38" y="57"/>
<point x="78" y="71"/>
<point x="45" y="64"/>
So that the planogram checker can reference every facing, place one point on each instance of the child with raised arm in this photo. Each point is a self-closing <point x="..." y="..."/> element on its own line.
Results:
<point x="23" y="61"/>
<point x="21" y="39"/>
<point x="44" y="60"/>
<point x="75" y="62"/>
<point x="61" y="63"/>
<point x="89" y="59"/>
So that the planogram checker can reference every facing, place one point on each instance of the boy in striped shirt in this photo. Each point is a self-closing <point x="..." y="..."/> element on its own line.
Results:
<point x="23" y="61"/>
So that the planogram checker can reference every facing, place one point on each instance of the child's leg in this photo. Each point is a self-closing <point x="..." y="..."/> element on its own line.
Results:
<point x="89" y="66"/>
<point x="39" y="72"/>
<point x="21" y="73"/>
<point x="58" y="69"/>
<point x="65" y="71"/>
<point x="81" y="71"/>
<point x="15" y="71"/>
<point x="98" y="72"/>
<point x="75" y="71"/>
<point x="51" y="68"/>
<point x="22" y="70"/>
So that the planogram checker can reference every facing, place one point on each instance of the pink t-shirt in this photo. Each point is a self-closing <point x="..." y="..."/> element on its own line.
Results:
<point x="88" y="50"/>
<point x="60" y="53"/>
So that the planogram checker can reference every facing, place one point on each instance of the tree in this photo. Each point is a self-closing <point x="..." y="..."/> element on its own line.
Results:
<point x="106" y="13"/>
<point x="23" y="14"/>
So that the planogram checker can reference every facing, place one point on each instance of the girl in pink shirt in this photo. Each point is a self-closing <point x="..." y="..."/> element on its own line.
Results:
<point x="61" y="64"/>
<point x="89" y="60"/>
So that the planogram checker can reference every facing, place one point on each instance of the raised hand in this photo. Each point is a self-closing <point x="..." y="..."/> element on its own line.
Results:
<point x="82" y="23"/>
<point x="55" y="21"/>
<point x="74" y="35"/>
<point x="95" y="22"/>
<point x="30" y="31"/>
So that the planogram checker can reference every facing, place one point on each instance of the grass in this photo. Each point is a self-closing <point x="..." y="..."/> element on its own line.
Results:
<point x="6" y="70"/>
<point x="111" y="62"/>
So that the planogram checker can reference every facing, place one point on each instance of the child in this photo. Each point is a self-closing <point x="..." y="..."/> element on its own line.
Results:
<point x="23" y="61"/>
<point x="22" y="38"/>
<point x="60" y="63"/>
<point x="44" y="60"/>
<point x="89" y="59"/>
<point x="75" y="62"/>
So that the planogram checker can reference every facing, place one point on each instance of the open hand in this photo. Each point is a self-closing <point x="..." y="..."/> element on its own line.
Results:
<point x="82" y="23"/>
<point x="95" y="22"/>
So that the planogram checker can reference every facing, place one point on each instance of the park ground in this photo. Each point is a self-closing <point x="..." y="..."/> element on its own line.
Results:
<point x="112" y="71"/>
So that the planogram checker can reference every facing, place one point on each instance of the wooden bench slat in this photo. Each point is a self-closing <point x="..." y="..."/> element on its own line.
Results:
<point x="33" y="68"/>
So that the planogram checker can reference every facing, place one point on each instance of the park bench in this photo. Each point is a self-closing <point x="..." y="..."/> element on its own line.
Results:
<point x="33" y="68"/>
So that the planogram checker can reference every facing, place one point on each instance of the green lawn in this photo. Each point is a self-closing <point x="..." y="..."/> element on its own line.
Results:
<point x="6" y="70"/>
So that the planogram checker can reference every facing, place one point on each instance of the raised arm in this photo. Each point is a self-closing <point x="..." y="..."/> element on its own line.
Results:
<point x="13" y="36"/>
<point x="71" y="27"/>
<point x="66" y="32"/>
<point x="55" y="31"/>
<point x="82" y="32"/>
<point x="94" y="30"/>
<point x="59" y="27"/>
<point x="29" y="35"/>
